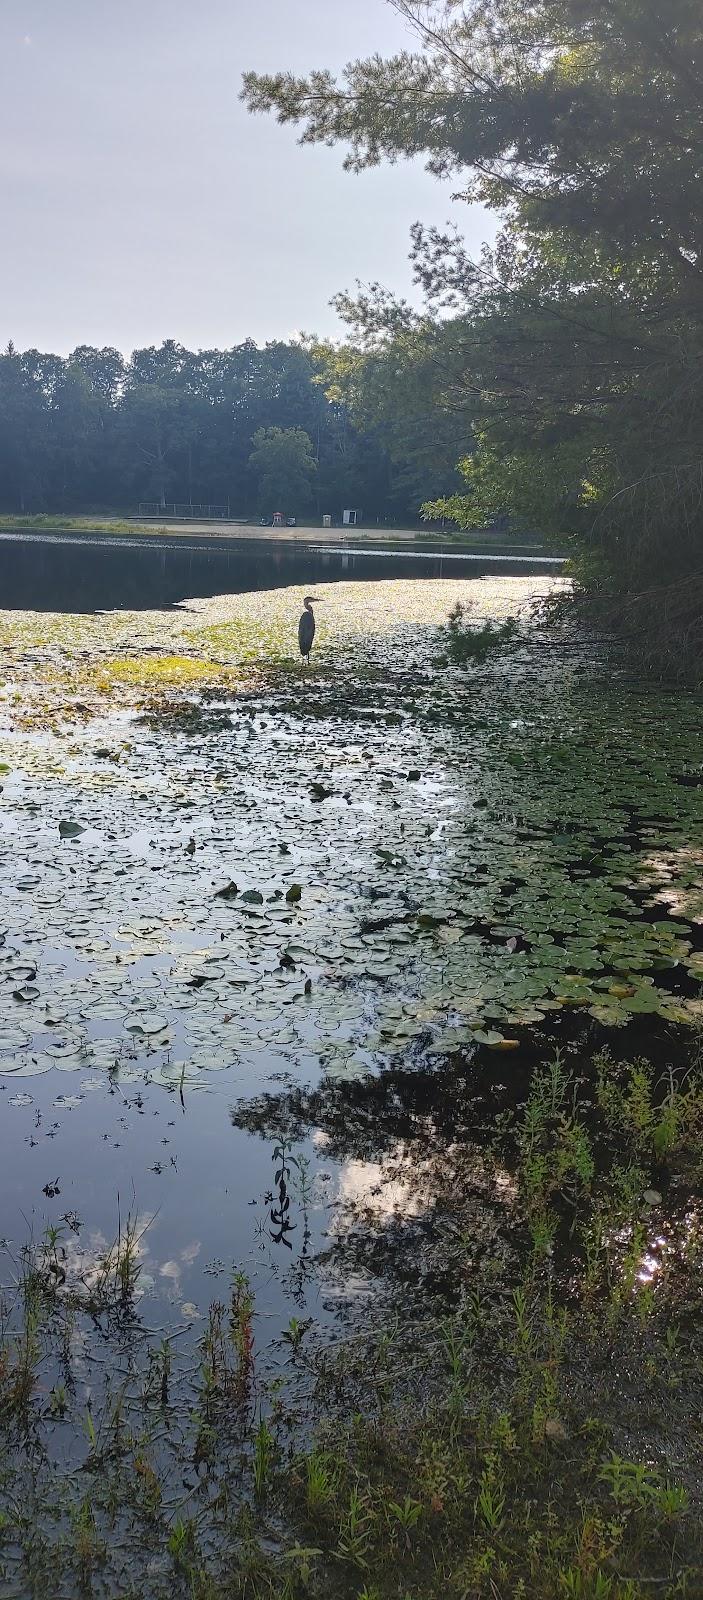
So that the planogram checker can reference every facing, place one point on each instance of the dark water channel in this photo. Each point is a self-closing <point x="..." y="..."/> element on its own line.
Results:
<point x="45" y="572"/>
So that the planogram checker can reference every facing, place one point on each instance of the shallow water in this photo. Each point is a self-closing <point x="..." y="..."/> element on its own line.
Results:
<point x="430" y="876"/>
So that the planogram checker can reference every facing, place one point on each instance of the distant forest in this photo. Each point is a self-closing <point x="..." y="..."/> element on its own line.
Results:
<point x="240" y="428"/>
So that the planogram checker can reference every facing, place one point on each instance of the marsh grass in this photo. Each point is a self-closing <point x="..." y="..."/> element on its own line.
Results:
<point x="534" y="1442"/>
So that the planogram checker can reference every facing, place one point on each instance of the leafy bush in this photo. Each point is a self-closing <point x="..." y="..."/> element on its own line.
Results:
<point x="469" y="642"/>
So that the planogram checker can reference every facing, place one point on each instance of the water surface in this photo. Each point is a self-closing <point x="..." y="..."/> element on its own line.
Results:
<point x="277" y="942"/>
<point x="50" y="572"/>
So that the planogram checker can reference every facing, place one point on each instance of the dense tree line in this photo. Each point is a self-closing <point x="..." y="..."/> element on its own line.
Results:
<point x="244" y="427"/>
<point x="570" y="356"/>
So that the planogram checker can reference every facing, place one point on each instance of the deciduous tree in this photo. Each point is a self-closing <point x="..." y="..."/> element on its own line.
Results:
<point x="283" y="462"/>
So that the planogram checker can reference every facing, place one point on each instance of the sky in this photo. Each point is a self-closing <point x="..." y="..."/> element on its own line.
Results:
<point x="141" y="201"/>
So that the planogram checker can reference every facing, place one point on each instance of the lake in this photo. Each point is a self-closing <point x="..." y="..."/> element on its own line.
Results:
<point x="80" y="573"/>
<point x="277" y="943"/>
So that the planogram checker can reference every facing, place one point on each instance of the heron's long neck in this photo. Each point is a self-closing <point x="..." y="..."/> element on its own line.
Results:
<point x="308" y="606"/>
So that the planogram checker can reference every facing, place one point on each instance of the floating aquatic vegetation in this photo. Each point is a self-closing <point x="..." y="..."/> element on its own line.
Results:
<point x="267" y="880"/>
<point x="277" y="883"/>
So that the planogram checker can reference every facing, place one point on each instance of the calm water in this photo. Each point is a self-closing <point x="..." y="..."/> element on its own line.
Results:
<point x="42" y="572"/>
<point x="258" y="942"/>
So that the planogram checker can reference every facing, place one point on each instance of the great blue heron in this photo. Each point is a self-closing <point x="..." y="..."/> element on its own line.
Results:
<point x="306" y="626"/>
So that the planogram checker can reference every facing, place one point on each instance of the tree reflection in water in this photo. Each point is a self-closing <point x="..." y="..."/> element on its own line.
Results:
<point x="420" y="1197"/>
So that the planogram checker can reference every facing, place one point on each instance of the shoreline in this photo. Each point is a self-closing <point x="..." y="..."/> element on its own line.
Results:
<point x="235" y="531"/>
<point x="356" y="541"/>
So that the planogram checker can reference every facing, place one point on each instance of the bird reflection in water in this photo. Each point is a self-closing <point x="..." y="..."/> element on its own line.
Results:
<point x="291" y="1182"/>
<point x="280" y="1209"/>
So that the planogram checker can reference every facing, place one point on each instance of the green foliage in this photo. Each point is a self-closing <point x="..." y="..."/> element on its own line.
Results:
<point x="171" y="424"/>
<point x="659" y="1116"/>
<point x="393" y="390"/>
<point x="471" y="643"/>
<point x="630" y="1483"/>
<point x="321" y="1475"/>
<point x="264" y="1451"/>
<point x="181" y="1541"/>
<point x="571" y="352"/>
<point x="490" y="1501"/>
<point x="577" y="1585"/>
<point x="530" y="1473"/>
<point x="529" y="484"/>
<point x="283" y="464"/>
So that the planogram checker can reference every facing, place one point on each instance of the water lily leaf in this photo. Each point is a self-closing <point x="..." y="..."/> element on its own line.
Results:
<point x="148" y="1024"/>
<point x="24" y="1066"/>
<point x="70" y="830"/>
<point x="12" y="1038"/>
<point x="353" y="1069"/>
<point x="644" y="1002"/>
<point x="608" y="1016"/>
<point x="102" y="1010"/>
<point x="294" y="893"/>
<point x="68" y="1046"/>
<point x="674" y="1013"/>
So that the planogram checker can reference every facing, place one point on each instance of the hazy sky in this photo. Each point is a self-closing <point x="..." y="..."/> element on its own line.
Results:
<point x="139" y="199"/>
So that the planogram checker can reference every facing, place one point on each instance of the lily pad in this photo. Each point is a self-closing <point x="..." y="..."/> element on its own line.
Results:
<point x="147" y="1023"/>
